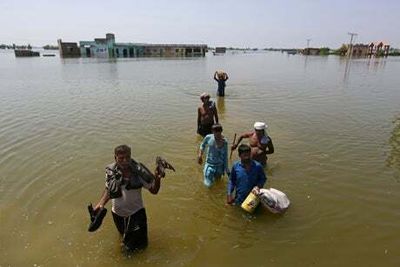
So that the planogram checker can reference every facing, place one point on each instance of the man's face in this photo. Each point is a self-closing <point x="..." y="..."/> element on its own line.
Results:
<point x="122" y="160"/>
<point x="205" y="100"/>
<point x="217" y="134"/>
<point x="259" y="133"/>
<point x="245" y="157"/>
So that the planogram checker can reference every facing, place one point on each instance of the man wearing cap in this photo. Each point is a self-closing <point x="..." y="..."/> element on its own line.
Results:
<point x="124" y="183"/>
<point x="259" y="141"/>
<point x="217" y="155"/>
<point x="207" y="115"/>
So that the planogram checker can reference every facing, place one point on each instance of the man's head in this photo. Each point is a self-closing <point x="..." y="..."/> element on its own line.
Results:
<point x="217" y="130"/>
<point x="122" y="155"/>
<point x="260" y="127"/>
<point x="244" y="153"/>
<point x="204" y="97"/>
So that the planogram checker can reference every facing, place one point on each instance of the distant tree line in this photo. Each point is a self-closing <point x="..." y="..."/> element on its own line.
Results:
<point x="28" y="46"/>
<point x="50" y="47"/>
<point x="14" y="46"/>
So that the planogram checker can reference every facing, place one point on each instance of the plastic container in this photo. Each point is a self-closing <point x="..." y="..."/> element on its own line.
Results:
<point x="250" y="203"/>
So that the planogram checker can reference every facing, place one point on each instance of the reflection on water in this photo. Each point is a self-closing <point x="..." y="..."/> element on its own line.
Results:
<point x="60" y="120"/>
<point x="393" y="159"/>
<point x="221" y="105"/>
<point x="347" y="70"/>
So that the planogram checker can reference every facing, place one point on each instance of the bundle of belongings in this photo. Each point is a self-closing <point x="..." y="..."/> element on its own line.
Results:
<point x="221" y="74"/>
<point x="114" y="176"/>
<point x="274" y="200"/>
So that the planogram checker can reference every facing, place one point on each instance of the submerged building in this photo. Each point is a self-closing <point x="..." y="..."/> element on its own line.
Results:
<point x="309" y="51"/>
<point x="108" y="48"/>
<point x="68" y="49"/>
<point x="375" y="49"/>
<point x="358" y="50"/>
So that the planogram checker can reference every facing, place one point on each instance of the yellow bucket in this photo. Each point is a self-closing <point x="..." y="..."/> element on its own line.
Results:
<point x="250" y="203"/>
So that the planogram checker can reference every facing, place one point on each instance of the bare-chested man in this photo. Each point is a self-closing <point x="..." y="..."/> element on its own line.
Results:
<point x="207" y="115"/>
<point x="259" y="141"/>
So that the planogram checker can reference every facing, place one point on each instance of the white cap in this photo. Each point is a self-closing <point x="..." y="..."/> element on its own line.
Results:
<point x="260" y="125"/>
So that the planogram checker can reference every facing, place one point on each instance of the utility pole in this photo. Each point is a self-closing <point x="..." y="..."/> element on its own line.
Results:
<point x="307" y="50"/>
<point x="308" y="43"/>
<point x="352" y="34"/>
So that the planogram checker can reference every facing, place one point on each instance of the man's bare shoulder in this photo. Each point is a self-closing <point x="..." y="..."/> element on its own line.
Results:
<point x="248" y="134"/>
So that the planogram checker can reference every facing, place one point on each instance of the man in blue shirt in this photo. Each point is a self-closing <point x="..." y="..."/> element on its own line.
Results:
<point x="246" y="175"/>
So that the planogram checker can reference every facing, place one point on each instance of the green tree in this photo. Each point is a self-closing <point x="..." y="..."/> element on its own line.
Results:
<point x="324" y="51"/>
<point x="341" y="51"/>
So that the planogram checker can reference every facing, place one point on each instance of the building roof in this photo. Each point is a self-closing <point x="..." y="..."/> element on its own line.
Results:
<point x="162" y="45"/>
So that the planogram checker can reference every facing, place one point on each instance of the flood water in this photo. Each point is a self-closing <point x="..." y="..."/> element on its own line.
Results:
<point x="335" y="125"/>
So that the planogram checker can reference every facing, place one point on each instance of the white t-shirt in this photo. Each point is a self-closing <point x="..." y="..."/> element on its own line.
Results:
<point x="130" y="202"/>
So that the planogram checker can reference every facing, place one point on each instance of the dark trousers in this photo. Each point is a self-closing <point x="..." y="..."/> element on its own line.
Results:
<point x="204" y="129"/>
<point x="221" y="91"/>
<point x="133" y="229"/>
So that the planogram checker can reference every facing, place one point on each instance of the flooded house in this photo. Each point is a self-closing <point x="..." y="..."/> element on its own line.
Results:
<point x="375" y="49"/>
<point x="309" y="51"/>
<point x="26" y="53"/>
<point x="68" y="49"/>
<point x="358" y="50"/>
<point x="378" y="49"/>
<point x="108" y="48"/>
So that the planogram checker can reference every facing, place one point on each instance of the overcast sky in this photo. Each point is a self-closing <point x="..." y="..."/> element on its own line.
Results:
<point x="251" y="23"/>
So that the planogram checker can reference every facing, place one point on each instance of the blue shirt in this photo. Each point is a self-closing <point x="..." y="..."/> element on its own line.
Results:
<point x="216" y="156"/>
<point x="243" y="181"/>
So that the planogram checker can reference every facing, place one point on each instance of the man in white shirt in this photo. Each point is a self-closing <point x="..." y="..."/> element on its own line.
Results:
<point x="124" y="181"/>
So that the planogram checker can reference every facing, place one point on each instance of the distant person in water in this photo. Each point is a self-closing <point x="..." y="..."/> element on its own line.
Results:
<point x="207" y="115"/>
<point x="216" y="155"/>
<point x="259" y="141"/>
<point x="221" y="77"/>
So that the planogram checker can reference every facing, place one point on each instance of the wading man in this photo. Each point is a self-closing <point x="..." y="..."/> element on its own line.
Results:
<point x="221" y="77"/>
<point x="125" y="179"/>
<point x="246" y="175"/>
<point x="207" y="115"/>
<point x="217" y="155"/>
<point x="259" y="141"/>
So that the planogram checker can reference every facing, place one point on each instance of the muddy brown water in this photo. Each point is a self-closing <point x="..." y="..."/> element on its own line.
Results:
<point x="335" y="126"/>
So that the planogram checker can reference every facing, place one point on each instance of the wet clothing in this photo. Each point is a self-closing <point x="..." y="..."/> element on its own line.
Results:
<point x="204" y="129"/>
<point x="211" y="173"/>
<point x="216" y="159"/>
<point x="221" y="87"/>
<point x="133" y="229"/>
<point x="127" y="204"/>
<point x="114" y="179"/>
<point x="130" y="202"/>
<point x="242" y="181"/>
